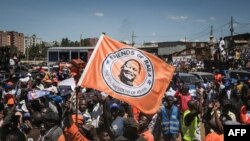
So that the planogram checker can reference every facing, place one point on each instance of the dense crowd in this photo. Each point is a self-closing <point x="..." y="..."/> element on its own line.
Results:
<point x="38" y="108"/>
<point x="221" y="58"/>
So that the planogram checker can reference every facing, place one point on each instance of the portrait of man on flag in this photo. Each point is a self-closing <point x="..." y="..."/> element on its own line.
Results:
<point x="128" y="74"/>
<point x="129" y="70"/>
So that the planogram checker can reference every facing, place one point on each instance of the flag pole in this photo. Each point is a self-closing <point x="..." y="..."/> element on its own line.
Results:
<point x="90" y="60"/>
<point x="77" y="104"/>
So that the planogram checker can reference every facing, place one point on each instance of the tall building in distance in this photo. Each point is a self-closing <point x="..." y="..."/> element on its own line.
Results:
<point x="12" y="38"/>
<point x="90" y="41"/>
<point x="4" y="39"/>
<point x="32" y="41"/>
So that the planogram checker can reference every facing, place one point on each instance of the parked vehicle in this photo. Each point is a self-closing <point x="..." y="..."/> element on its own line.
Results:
<point x="4" y="76"/>
<point x="204" y="75"/>
<point x="235" y="74"/>
<point x="238" y="74"/>
<point x="188" y="79"/>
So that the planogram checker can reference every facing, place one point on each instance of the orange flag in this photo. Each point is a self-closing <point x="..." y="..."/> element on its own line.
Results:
<point x="128" y="74"/>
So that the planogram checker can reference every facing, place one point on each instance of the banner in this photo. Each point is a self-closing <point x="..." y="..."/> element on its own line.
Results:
<point x="68" y="82"/>
<point x="35" y="94"/>
<point x="128" y="74"/>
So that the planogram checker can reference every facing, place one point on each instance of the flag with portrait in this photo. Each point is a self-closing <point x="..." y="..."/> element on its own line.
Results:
<point x="128" y="74"/>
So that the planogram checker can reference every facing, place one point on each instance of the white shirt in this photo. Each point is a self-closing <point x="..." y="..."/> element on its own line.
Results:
<point x="12" y="62"/>
<point x="222" y="43"/>
<point x="228" y="94"/>
<point x="96" y="114"/>
<point x="52" y="89"/>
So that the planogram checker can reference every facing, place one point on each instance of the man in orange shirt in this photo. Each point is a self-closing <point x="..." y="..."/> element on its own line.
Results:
<point x="72" y="131"/>
<point x="245" y="113"/>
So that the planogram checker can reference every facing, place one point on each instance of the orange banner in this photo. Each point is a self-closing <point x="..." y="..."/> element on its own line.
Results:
<point x="128" y="74"/>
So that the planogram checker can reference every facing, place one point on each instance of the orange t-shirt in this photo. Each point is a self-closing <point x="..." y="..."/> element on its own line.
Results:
<point x="148" y="136"/>
<point x="74" y="134"/>
<point x="214" y="137"/>
<point x="136" y="113"/>
<point x="244" y="116"/>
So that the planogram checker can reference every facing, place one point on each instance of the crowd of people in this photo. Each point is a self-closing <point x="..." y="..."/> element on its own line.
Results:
<point x="221" y="57"/>
<point x="38" y="109"/>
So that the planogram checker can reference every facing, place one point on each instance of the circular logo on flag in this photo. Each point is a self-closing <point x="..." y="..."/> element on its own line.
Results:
<point x="128" y="72"/>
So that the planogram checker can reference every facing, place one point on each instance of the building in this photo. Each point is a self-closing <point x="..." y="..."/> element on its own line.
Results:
<point x="4" y="39"/>
<point x="241" y="41"/>
<point x="200" y="50"/>
<point x="90" y="42"/>
<point x="66" y="54"/>
<point x="17" y="40"/>
<point x="195" y="50"/>
<point x="30" y="41"/>
<point x="12" y="38"/>
<point x="49" y="44"/>
<point x="148" y="47"/>
<point x="169" y="48"/>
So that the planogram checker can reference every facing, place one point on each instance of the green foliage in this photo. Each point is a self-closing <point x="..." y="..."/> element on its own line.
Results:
<point x="37" y="52"/>
<point x="67" y="43"/>
<point x="56" y="44"/>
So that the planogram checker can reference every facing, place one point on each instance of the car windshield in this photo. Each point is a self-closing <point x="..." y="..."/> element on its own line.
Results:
<point x="209" y="77"/>
<point x="239" y="75"/>
<point x="189" y="79"/>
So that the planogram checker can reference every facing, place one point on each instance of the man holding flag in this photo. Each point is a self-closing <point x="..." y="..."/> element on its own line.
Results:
<point x="128" y="74"/>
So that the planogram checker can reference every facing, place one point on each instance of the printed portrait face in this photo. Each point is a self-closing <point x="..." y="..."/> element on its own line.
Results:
<point x="130" y="70"/>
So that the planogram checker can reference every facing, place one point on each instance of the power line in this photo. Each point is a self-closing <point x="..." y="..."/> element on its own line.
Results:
<point x="191" y="36"/>
<point x="222" y="26"/>
<point x="240" y="23"/>
<point x="202" y="35"/>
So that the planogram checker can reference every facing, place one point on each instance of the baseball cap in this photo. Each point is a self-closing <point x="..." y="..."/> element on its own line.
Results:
<point x="114" y="105"/>
<point x="10" y="101"/>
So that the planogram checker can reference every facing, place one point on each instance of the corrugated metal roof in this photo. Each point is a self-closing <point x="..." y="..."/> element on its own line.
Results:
<point x="241" y="41"/>
<point x="170" y="50"/>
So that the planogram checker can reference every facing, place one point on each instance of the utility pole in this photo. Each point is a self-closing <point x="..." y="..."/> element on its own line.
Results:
<point x="211" y="42"/>
<point x="133" y="36"/>
<point x="231" y="26"/>
<point x="80" y="40"/>
<point x="27" y="55"/>
<point x="231" y="45"/>
<point x="211" y="31"/>
<point x="211" y="38"/>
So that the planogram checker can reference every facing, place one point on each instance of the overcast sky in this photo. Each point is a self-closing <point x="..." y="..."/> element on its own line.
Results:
<point x="150" y="20"/>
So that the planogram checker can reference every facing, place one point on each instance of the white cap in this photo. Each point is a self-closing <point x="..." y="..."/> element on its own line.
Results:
<point x="24" y="108"/>
<point x="26" y="79"/>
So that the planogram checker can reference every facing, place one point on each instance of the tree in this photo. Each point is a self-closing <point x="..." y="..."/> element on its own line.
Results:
<point x="56" y="44"/>
<point x="65" y="42"/>
<point x="81" y="42"/>
<point x="37" y="52"/>
<point x="76" y="44"/>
